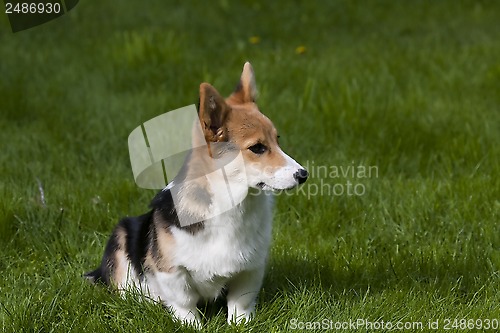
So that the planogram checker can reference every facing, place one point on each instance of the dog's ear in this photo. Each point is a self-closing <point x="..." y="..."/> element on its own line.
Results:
<point x="246" y="90"/>
<point x="213" y="113"/>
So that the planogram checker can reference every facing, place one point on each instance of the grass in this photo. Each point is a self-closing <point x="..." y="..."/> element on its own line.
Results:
<point x="411" y="88"/>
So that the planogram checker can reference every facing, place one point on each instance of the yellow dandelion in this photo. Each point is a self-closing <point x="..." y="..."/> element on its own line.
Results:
<point x="254" y="40"/>
<point x="300" y="49"/>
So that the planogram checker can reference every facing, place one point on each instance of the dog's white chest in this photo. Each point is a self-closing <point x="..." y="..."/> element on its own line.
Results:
<point x="235" y="241"/>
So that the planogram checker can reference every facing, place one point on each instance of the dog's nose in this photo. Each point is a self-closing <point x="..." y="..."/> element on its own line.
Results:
<point x="301" y="175"/>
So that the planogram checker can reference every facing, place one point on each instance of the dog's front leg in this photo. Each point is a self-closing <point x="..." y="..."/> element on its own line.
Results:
<point x="242" y="294"/>
<point x="175" y="292"/>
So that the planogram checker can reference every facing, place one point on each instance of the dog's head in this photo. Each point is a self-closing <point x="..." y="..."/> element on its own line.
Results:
<point x="236" y="124"/>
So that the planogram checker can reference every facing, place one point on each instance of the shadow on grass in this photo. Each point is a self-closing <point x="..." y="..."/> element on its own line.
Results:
<point x="290" y="277"/>
<point x="462" y="278"/>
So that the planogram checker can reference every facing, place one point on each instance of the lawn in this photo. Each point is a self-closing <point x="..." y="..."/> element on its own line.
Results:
<point x="394" y="106"/>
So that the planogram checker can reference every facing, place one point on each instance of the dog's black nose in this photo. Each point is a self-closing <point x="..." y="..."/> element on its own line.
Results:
<point x="301" y="175"/>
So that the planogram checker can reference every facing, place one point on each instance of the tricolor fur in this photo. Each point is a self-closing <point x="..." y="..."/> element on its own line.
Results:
<point x="223" y="249"/>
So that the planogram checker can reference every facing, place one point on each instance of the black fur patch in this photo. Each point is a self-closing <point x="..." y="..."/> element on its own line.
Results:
<point x="140" y="236"/>
<point x="103" y="273"/>
<point x="164" y="203"/>
<point x="137" y="232"/>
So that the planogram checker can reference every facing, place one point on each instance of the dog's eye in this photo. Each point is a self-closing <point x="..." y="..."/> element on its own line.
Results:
<point x="258" y="148"/>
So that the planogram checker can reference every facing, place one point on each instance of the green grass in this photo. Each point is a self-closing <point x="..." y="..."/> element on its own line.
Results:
<point x="412" y="88"/>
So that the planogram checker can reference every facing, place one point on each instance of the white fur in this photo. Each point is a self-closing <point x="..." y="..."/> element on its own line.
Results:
<point x="231" y="250"/>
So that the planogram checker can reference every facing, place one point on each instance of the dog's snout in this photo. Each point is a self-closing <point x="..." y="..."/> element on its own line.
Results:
<point x="301" y="176"/>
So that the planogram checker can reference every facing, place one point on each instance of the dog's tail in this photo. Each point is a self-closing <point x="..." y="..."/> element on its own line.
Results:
<point x="95" y="276"/>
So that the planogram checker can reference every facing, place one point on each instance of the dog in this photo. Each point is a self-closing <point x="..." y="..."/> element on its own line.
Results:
<point x="194" y="244"/>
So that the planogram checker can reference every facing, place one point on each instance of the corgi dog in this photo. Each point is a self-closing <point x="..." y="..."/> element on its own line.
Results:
<point x="224" y="244"/>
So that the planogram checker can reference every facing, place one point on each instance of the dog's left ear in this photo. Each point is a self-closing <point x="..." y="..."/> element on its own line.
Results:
<point x="246" y="90"/>
<point x="213" y="113"/>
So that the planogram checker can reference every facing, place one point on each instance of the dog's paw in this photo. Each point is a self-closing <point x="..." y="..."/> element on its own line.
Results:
<point x="187" y="317"/>
<point x="239" y="317"/>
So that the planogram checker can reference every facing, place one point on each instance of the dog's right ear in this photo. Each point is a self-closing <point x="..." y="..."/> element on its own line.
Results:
<point x="213" y="113"/>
